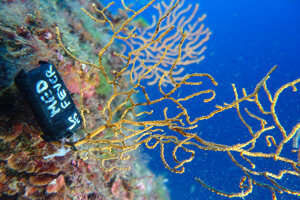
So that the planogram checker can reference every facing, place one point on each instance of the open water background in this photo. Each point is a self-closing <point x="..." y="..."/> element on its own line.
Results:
<point x="248" y="38"/>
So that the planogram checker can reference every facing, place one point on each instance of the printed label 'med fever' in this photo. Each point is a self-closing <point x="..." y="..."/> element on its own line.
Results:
<point x="50" y="101"/>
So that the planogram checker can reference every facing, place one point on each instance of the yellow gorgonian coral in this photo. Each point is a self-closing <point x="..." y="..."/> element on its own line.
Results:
<point x="181" y="17"/>
<point x="178" y="130"/>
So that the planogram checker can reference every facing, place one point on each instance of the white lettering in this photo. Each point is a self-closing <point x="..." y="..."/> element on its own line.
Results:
<point x="57" y="85"/>
<point x="41" y="86"/>
<point x="74" y="120"/>
<point x="61" y="94"/>
<point x="53" y="80"/>
<point x="48" y="100"/>
<point x="65" y="104"/>
<point x="54" y="97"/>
<point x="50" y="72"/>
<point x="53" y="109"/>
<point x="73" y="123"/>
<point x="48" y="95"/>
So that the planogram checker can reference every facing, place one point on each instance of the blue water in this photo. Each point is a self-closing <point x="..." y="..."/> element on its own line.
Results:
<point x="248" y="38"/>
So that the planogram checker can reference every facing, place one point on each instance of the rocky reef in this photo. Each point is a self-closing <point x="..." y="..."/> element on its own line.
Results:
<point x="31" y="168"/>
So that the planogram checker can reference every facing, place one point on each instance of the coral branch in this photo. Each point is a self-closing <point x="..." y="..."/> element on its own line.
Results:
<point x="157" y="53"/>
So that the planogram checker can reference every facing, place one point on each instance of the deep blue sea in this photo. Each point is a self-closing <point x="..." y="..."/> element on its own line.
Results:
<point x="248" y="38"/>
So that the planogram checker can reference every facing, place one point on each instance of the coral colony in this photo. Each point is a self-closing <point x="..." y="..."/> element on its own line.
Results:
<point x="101" y="160"/>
